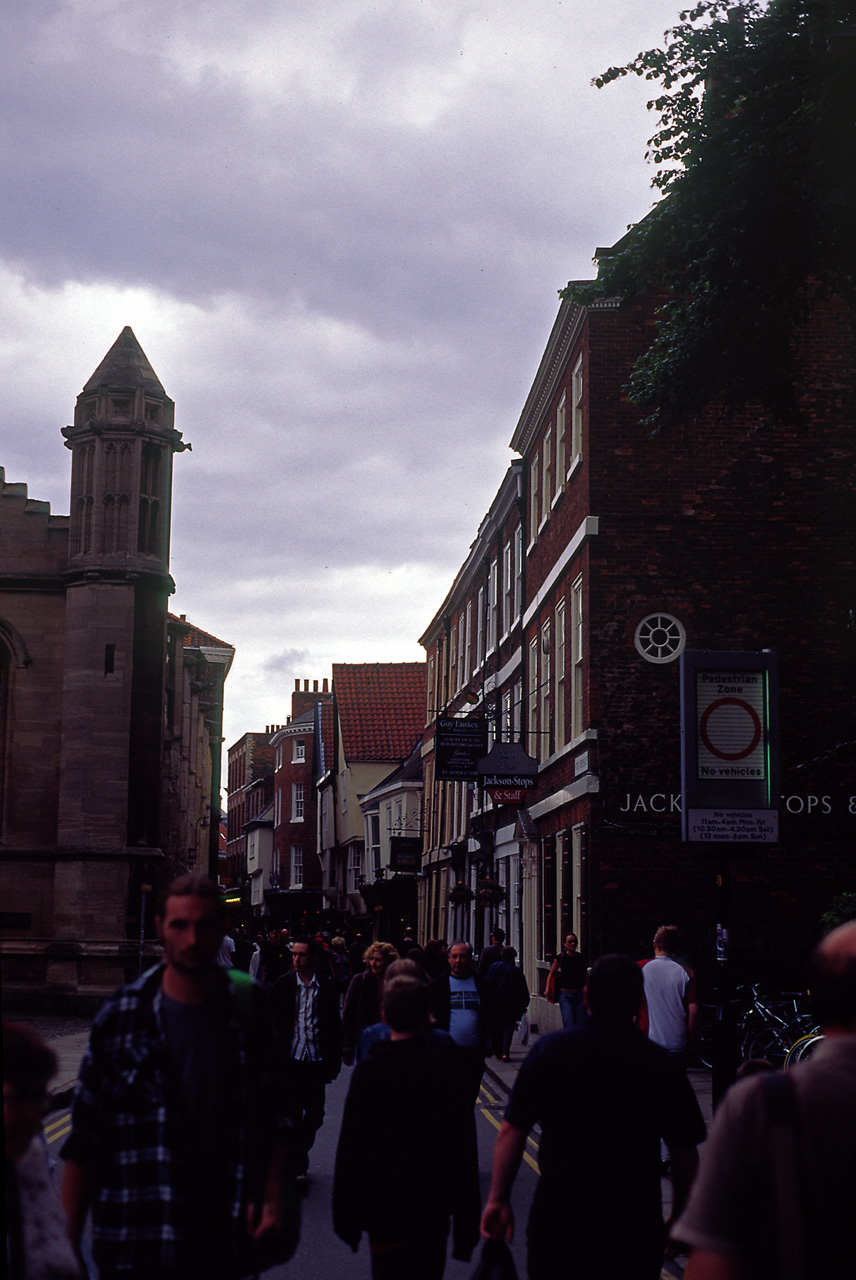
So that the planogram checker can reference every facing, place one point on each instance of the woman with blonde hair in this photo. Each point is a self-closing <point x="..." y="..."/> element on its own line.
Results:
<point x="362" y="1002"/>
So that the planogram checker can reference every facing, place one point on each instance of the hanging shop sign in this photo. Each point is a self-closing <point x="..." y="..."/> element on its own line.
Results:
<point x="405" y="853"/>
<point x="458" y="744"/>
<point x="729" y="747"/>
<point x="507" y="772"/>
<point x="506" y="795"/>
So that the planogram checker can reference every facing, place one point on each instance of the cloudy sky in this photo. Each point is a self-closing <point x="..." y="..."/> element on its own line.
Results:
<point x="337" y="228"/>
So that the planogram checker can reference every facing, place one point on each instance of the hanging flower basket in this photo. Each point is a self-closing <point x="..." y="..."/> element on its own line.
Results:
<point x="490" y="892"/>
<point x="461" y="894"/>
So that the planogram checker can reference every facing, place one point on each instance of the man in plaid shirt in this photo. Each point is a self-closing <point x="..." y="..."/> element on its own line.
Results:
<point x="170" y="1145"/>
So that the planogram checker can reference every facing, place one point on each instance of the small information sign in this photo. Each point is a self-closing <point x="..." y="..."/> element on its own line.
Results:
<point x="732" y="826"/>
<point x="458" y="744"/>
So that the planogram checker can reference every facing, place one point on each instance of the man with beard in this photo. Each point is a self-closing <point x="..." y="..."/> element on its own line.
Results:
<point x="176" y="1143"/>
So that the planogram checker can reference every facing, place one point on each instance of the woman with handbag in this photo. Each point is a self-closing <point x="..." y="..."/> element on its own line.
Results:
<point x="567" y="978"/>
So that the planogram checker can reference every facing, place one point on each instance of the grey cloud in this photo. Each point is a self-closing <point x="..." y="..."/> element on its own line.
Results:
<point x="138" y="177"/>
<point x="355" y="295"/>
<point x="287" y="661"/>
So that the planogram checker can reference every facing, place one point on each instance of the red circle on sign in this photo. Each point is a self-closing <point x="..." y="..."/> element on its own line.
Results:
<point x="756" y="729"/>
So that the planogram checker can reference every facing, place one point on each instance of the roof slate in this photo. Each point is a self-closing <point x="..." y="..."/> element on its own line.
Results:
<point x="125" y="365"/>
<point x="381" y="708"/>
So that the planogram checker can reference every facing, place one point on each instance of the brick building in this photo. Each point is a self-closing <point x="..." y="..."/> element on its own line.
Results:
<point x="378" y="717"/>
<point x="734" y="533"/>
<point x="476" y="672"/>
<point x="250" y="788"/>
<point x="293" y="895"/>
<point x="104" y="738"/>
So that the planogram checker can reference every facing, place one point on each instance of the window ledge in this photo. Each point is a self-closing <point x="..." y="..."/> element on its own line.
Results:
<point x="588" y="735"/>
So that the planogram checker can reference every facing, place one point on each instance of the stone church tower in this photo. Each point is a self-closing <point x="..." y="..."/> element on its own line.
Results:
<point x="117" y="586"/>
<point x="110" y="710"/>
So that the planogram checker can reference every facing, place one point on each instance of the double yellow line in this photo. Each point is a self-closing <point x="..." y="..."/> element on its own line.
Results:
<point x="488" y="1115"/>
<point x="59" y="1128"/>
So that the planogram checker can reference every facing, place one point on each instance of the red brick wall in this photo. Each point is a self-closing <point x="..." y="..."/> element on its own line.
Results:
<point x="743" y="528"/>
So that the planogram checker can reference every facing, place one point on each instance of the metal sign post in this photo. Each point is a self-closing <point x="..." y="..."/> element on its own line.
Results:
<point x="730" y="782"/>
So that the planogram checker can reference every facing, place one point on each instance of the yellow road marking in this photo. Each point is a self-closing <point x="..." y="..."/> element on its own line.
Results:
<point x="56" y="1124"/>
<point x="491" y="1118"/>
<point x="533" y="1164"/>
<point x="495" y="1102"/>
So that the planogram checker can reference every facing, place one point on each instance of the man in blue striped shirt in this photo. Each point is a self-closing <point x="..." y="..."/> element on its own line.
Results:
<point x="309" y="1029"/>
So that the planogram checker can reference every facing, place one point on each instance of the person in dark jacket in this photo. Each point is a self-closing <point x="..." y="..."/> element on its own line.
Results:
<point x="362" y="1001"/>
<point x="492" y="954"/>
<point x="309" y="1031"/>
<point x="406" y="1163"/>
<point x="508" y="1000"/>
<point x="276" y="956"/>
<point x="435" y="958"/>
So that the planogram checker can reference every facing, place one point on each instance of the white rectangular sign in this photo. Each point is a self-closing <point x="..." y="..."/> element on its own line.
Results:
<point x="731" y="725"/>
<point x="753" y="826"/>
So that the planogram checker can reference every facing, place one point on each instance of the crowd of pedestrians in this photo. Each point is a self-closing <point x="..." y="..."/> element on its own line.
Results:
<point x="204" y="1086"/>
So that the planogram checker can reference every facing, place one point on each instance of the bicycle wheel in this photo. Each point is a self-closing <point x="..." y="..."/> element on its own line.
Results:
<point x="803" y="1048"/>
<point x="769" y="1043"/>
<point x="704" y="1043"/>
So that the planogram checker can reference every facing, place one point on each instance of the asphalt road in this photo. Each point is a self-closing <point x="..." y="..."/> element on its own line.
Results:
<point x="320" y="1253"/>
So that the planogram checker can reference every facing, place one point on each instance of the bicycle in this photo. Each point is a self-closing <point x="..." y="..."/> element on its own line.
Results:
<point x="772" y="1027"/>
<point x="803" y="1048"/>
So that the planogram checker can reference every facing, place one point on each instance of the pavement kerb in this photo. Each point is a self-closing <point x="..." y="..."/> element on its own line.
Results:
<point x="69" y="1051"/>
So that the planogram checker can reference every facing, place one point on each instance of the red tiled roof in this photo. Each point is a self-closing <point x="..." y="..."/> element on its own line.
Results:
<point x="195" y="637"/>
<point x="381" y="708"/>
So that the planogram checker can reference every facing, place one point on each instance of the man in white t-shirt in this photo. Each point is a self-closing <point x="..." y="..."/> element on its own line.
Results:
<point x="226" y="954"/>
<point x="458" y="1006"/>
<point x="670" y="995"/>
